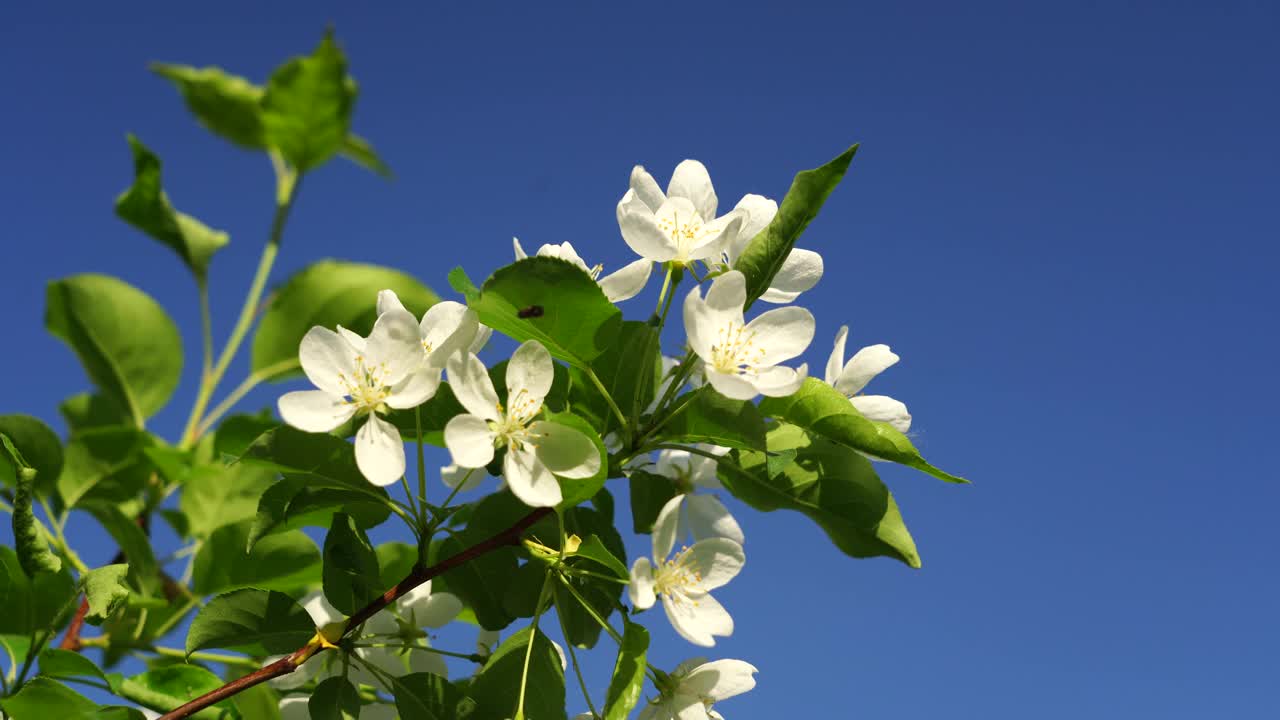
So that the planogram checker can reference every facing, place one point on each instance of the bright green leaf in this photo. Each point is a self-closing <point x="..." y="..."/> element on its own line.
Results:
<point x="283" y="561"/>
<point x="706" y="416"/>
<point x="226" y="104"/>
<point x="361" y="152"/>
<point x="168" y="687"/>
<point x="106" y="592"/>
<point x="629" y="369"/>
<point x="627" y="681"/>
<point x="39" y="446"/>
<point x="306" y="110"/>
<point x="42" y="698"/>
<point x="144" y="571"/>
<point x="104" y="464"/>
<point x="89" y="411"/>
<point x="593" y="548"/>
<point x="292" y="504"/>
<point x="251" y="620"/>
<point x="218" y="495"/>
<point x="32" y="603"/>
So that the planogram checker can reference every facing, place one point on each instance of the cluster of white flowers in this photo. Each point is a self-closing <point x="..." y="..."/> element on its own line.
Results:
<point x="400" y="365"/>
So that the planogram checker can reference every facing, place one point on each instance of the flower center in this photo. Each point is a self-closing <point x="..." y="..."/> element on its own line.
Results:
<point x="685" y="234"/>
<point x="676" y="577"/>
<point x="367" y="388"/>
<point x="512" y="429"/>
<point x="735" y="350"/>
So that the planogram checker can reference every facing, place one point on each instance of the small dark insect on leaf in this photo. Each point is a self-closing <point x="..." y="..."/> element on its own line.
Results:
<point x="532" y="311"/>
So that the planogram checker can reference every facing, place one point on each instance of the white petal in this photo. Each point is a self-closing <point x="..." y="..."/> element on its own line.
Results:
<point x="356" y="341"/>
<point x="529" y="375"/>
<point x="470" y="441"/>
<point x="690" y="180"/>
<point x="698" y="618"/>
<point x="317" y="606"/>
<point x="565" y="252"/>
<point x="865" y="364"/>
<point x="293" y="708"/>
<point x="379" y="452"/>
<point x="388" y="300"/>
<point x="709" y="518"/>
<point x="716" y="235"/>
<point x="389" y="661"/>
<point x="326" y="359"/>
<point x="425" y="661"/>
<point x="779" y="381"/>
<point x="835" y="363"/>
<point x="482" y="338"/>
<point x="627" y="282"/>
<point x="720" y="680"/>
<point x="640" y="589"/>
<point x="705" y="318"/>
<point x="640" y="230"/>
<point x="703" y="470"/>
<point x="688" y="666"/>
<point x="299" y="677"/>
<point x="419" y="387"/>
<point x="646" y="188"/>
<point x="471" y="385"/>
<point x="530" y="480"/>
<point x="759" y="211"/>
<point x="438" y="610"/>
<point x="451" y="475"/>
<point x="314" y="410"/>
<point x="447" y="328"/>
<point x="564" y="662"/>
<point x="565" y="451"/>
<point x="883" y="408"/>
<point x="799" y="272"/>
<point x="666" y="527"/>
<point x="520" y="253"/>
<point x="688" y="707"/>
<point x="718" y="560"/>
<point x="731" y="385"/>
<point x="395" y="346"/>
<point x="672" y="463"/>
<point x="487" y="641"/>
<point x="780" y="334"/>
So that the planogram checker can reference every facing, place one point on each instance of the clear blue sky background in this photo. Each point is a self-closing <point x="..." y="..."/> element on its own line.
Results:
<point x="1063" y="220"/>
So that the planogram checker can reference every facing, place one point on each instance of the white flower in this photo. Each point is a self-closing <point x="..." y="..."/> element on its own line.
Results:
<point x="850" y="378"/>
<point x="446" y="328"/>
<point x="697" y="684"/>
<point x="366" y="380"/>
<point x="679" y="226"/>
<point x="452" y="475"/>
<point x="621" y="285"/>
<point x="700" y="515"/>
<point x="741" y="359"/>
<point x="537" y="450"/>
<point x="799" y="272"/>
<point x="685" y="580"/>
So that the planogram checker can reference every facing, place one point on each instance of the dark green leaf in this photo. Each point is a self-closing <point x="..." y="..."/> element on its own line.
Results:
<point x="104" y="464"/>
<point x="251" y="620"/>
<point x="426" y="696"/>
<point x="87" y="411"/>
<point x="603" y="596"/>
<point x="496" y="688"/>
<point x="649" y="493"/>
<point x="627" y="681"/>
<point x="833" y="485"/>
<point x="106" y="592"/>
<point x="39" y="446"/>
<point x="42" y="698"/>
<point x="327" y="293"/>
<point x="291" y="504"/>
<point x="128" y="345"/>
<point x="766" y="252"/>
<point x="629" y="369"/>
<point x="593" y="548"/>
<point x="567" y="312"/>
<point x="706" y="416"/>
<point x="351" y="577"/>
<point x="484" y="582"/>
<point x="225" y="104"/>
<point x="32" y="603"/>
<point x="823" y="410"/>
<point x="237" y="433"/>
<point x="144" y="571"/>
<point x="334" y="699"/>
<point x="65" y="664"/>
<point x="29" y="535"/>
<point x="146" y="207"/>
<point x="306" y="110"/>
<point x="283" y="561"/>
<point x="166" y="688"/>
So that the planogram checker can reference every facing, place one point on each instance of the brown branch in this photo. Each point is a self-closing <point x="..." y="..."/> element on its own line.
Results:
<point x="419" y="575"/>
<point x="71" y="641"/>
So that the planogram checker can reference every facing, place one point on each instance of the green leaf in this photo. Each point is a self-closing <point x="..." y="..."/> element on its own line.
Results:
<point x="709" y="417"/>
<point x="283" y="561"/>
<point x="629" y="369"/>
<point x="254" y="621"/>
<point x="237" y="433"/>
<point x="649" y="494"/>
<point x="824" y="411"/>
<point x="65" y="664"/>
<point x="322" y="460"/>
<point x="395" y="561"/>
<point x="496" y="688"/>
<point x="42" y="698"/>
<point x="436" y="413"/>
<point x="260" y="702"/>
<point x="566" y="310"/>
<point x="171" y="686"/>
<point x="105" y="591"/>
<point x="226" y="104"/>
<point x="581" y="629"/>
<point x="306" y="110"/>
<point x="334" y="699"/>
<point x="88" y="411"/>
<point x="327" y="293"/>
<point x="766" y="252"/>
<point x="627" y="681"/>
<point x="218" y="495"/>
<point x="31" y="604"/>
<point x="593" y="548"/>
<point x="29" y="535"/>
<point x="291" y="504"/>
<point x="833" y="485"/>
<point x="351" y="577"/>
<point x="144" y="571"/>
<point x="128" y="345"/>
<point x="39" y="446"/>
<point x="483" y="582"/>
<point x="105" y="464"/>
<point x="426" y="696"/>
<point x="361" y="152"/>
<point x="146" y="207"/>
<point x="578" y="490"/>
<point x="115" y="712"/>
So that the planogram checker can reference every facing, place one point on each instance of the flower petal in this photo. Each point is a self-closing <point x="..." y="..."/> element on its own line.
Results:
<point x="640" y="230"/>
<point x="564" y="251"/>
<point x="520" y="253"/>
<point x="419" y="387"/>
<point x="702" y="469"/>
<point x="379" y="452"/>
<point x="666" y="528"/>
<point x="640" y="589"/>
<point x="673" y="464"/>
<point x="317" y="606"/>
<point x="759" y="211"/>
<point x="717" y="560"/>
<point x="327" y="358"/>
<point x="799" y="272"/>
<point x="529" y="376"/>
<point x="482" y="338"/>
<point x="471" y="385"/>
<point x="388" y="301"/>
<point x="716" y="235"/>
<point x="688" y="707"/>
<point x="780" y="334"/>
<point x="709" y="518"/>
<point x="627" y="282"/>
<point x="394" y="346"/>
<point x="646" y="188"/>
<point x="836" y="361"/>
<point x="721" y="310"/>
<point x="883" y="408"/>
<point x="470" y="441"/>
<point x="779" y="381"/>
<point x="530" y="480"/>
<point x="451" y="475"/>
<point x="431" y="610"/>
<point x="720" y="680"/>
<point x="314" y="410"/>
<point x="354" y="338"/>
<point x="732" y="385"/>
<point x="424" y="661"/>
<point x="565" y="451"/>
<point x="294" y="708"/>
<point x="698" y="618"/>
<point x="447" y="328"/>
<point x="690" y="180"/>
<point x="865" y="364"/>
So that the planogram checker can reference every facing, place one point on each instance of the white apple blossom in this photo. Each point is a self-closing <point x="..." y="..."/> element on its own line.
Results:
<point x="697" y="685"/>
<point x="741" y="359"/>
<point x="685" y="580"/>
<point x="621" y="285"/>
<point x="355" y="381"/>
<point x="801" y="270"/>
<point x="851" y="377"/>
<point x="445" y="328"/>
<point x="537" y="450"/>
<point x="700" y="515"/>
<point x="677" y="226"/>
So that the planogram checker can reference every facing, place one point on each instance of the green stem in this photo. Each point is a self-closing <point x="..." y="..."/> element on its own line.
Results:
<point x="473" y="657"/>
<point x="528" y="650"/>
<point x="666" y="308"/>
<point x="595" y="380"/>
<point x="422" y="470"/>
<point x="236" y="395"/>
<point x="206" y="330"/>
<point x="573" y="656"/>
<point x="666" y="284"/>
<point x="177" y="617"/>
<point x="235" y="660"/>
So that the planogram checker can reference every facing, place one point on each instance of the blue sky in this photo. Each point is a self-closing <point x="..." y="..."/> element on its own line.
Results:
<point x="1063" y="219"/>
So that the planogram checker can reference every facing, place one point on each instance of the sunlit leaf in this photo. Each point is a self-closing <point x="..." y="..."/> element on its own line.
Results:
<point x="253" y="621"/>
